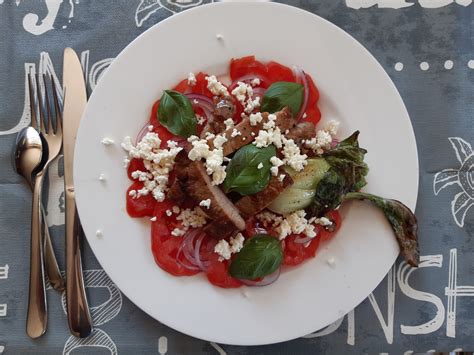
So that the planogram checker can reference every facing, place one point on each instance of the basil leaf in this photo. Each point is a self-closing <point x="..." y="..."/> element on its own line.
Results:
<point x="176" y="114"/>
<point x="260" y="256"/>
<point x="243" y="175"/>
<point x="282" y="94"/>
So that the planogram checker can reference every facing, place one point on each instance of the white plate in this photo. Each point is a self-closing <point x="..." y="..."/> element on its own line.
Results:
<point x="354" y="89"/>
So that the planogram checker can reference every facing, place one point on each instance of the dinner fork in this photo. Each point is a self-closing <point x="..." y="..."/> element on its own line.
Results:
<point x="52" y="142"/>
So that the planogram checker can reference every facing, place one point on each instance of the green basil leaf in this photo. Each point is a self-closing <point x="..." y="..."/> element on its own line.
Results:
<point x="176" y="114"/>
<point x="243" y="175"/>
<point x="260" y="256"/>
<point x="282" y="94"/>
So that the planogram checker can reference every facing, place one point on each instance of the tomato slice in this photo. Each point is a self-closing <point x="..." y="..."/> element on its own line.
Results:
<point x="218" y="274"/>
<point x="165" y="251"/>
<point x="245" y="66"/>
<point x="335" y="217"/>
<point x="296" y="253"/>
<point x="142" y="206"/>
<point x="279" y="72"/>
<point x="201" y="86"/>
<point x="182" y="86"/>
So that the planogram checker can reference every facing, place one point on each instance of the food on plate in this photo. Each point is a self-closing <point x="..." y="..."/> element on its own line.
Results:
<point x="240" y="179"/>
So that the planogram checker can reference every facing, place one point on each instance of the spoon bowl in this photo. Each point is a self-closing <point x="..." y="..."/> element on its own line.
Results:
<point x="28" y="154"/>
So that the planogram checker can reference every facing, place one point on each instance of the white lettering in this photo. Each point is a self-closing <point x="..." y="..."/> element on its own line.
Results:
<point x="453" y="291"/>
<point x="4" y="272"/>
<point x="403" y="274"/>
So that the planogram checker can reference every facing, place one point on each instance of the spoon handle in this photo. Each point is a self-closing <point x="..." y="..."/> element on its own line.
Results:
<point x="50" y="262"/>
<point x="37" y="317"/>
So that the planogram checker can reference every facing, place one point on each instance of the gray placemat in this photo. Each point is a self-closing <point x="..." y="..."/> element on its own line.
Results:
<point x="426" y="46"/>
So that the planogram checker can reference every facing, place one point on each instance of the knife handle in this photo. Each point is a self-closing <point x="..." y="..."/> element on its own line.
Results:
<point x="37" y="316"/>
<point x="79" y="319"/>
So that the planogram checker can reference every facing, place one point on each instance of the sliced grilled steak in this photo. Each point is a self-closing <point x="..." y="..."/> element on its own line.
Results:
<point x="284" y="121"/>
<point x="302" y="131"/>
<point x="194" y="183"/>
<point x="253" y="204"/>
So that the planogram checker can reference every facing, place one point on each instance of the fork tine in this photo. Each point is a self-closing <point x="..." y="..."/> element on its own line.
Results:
<point x="48" y="108"/>
<point x="40" y="106"/>
<point x="57" y="110"/>
<point x="34" y="122"/>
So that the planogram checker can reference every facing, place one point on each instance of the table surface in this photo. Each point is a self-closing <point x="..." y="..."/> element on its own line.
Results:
<point x="426" y="46"/>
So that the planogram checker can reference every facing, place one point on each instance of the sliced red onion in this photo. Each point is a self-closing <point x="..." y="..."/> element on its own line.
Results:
<point x="191" y="265"/>
<point x="259" y="230"/>
<point x="303" y="240"/>
<point x="334" y="142"/>
<point x="267" y="280"/>
<point x="260" y="92"/>
<point x="204" y="103"/>
<point x="190" y="248"/>
<point x="202" y="264"/>
<point x="142" y="133"/>
<point x="301" y="79"/>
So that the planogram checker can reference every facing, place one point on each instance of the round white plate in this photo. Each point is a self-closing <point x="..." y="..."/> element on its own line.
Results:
<point x="354" y="89"/>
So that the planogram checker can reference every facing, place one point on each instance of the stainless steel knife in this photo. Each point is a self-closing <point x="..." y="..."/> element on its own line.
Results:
<point x="75" y="99"/>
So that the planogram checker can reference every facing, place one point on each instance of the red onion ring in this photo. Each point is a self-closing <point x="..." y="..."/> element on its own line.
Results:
<point x="204" y="103"/>
<point x="192" y="251"/>
<point x="334" y="142"/>
<point x="267" y="280"/>
<point x="260" y="92"/>
<point x="303" y="240"/>
<point x="202" y="264"/>
<point x="301" y="79"/>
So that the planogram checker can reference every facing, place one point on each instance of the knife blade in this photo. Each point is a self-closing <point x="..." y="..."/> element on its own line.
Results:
<point x="75" y="99"/>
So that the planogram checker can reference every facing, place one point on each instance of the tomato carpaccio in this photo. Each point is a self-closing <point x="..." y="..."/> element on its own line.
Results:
<point x="167" y="249"/>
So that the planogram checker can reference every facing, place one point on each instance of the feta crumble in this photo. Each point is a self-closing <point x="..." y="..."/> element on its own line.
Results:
<point x="153" y="219"/>
<point x="332" y="127"/>
<point x="213" y="159"/>
<point x="205" y="203"/>
<point x="158" y="163"/>
<point x="229" y="124"/>
<point x="260" y="166"/>
<point x="102" y="177"/>
<point x="281" y="177"/>
<point x="225" y="249"/>
<point x="255" y="82"/>
<point x="244" y="94"/>
<point x="107" y="141"/>
<point x="191" y="79"/>
<point x="150" y="128"/>
<point x="292" y="223"/>
<point x="99" y="233"/>
<point x="176" y="210"/>
<point x="169" y="213"/>
<point x="235" y="133"/>
<point x="216" y="87"/>
<point x="293" y="156"/>
<point x="200" y="120"/>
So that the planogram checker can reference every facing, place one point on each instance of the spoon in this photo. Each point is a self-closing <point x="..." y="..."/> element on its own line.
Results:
<point x="51" y="264"/>
<point x="28" y="159"/>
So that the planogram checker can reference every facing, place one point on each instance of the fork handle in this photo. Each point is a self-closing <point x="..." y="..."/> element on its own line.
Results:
<point x="50" y="261"/>
<point x="37" y="317"/>
<point x="78" y="315"/>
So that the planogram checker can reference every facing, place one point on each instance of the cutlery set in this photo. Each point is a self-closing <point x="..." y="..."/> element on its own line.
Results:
<point x="53" y="127"/>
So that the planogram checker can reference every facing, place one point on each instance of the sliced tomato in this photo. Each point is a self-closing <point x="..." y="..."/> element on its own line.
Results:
<point x="201" y="86"/>
<point x="278" y="72"/>
<point x="165" y="251"/>
<point x="313" y="115"/>
<point x="134" y="165"/>
<point x="218" y="274"/>
<point x="245" y="66"/>
<point x="182" y="86"/>
<point x="142" y="206"/>
<point x="296" y="253"/>
<point x="313" y="92"/>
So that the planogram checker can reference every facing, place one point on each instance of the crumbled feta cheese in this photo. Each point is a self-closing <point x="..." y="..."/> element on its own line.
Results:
<point x="195" y="102"/>
<point x="276" y="161"/>
<point x="178" y="232"/>
<point x="229" y="124"/>
<point x="214" y="159"/>
<point x="225" y="249"/>
<point x="241" y="91"/>
<point x="99" y="233"/>
<point x="216" y="87"/>
<point x="271" y="119"/>
<point x="331" y="261"/>
<point x="176" y="209"/>
<point x="274" y="170"/>
<point x="293" y="223"/>
<point x="153" y="219"/>
<point x="102" y="177"/>
<point x="158" y="163"/>
<point x="332" y="127"/>
<point x="255" y="118"/>
<point x="222" y="248"/>
<point x="293" y="156"/>
<point x="169" y="213"/>
<point x="132" y="193"/>
<point x="252" y="134"/>
<point x="126" y="162"/>
<point x="252" y="104"/>
<point x="205" y="203"/>
<point x="281" y="177"/>
<point x="322" y="141"/>
<point x="260" y="166"/>
<point x="237" y="243"/>
<point x="209" y="136"/>
<point x="235" y="133"/>
<point x="219" y="37"/>
<point x="200" y="120"/>
<point x="191" y="79"/>
<point x="255" y="82"/>
<point x="271" y="136"/>
<point x="323" y="221"/>
<point x="107" y="141"/>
